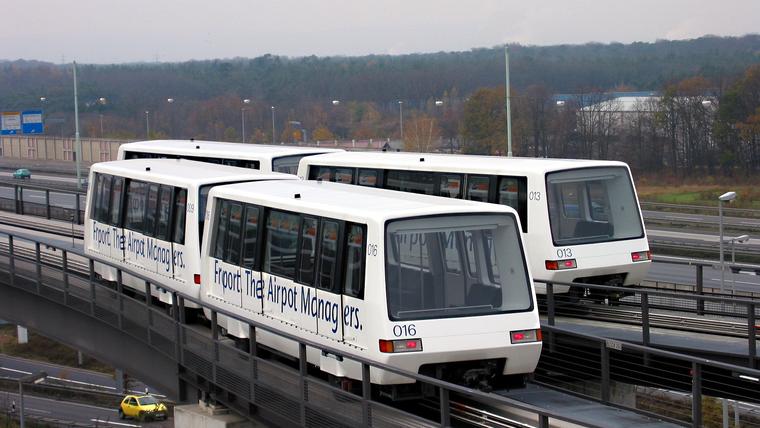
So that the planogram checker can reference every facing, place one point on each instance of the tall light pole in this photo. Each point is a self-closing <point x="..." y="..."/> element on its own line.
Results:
<point x="101" y="102"/>
<point x="401" y="119"/>
<point x="273" y="130"/>
<point x="170" y="101"/>
<point x="147" y="125"/>
<point x="30" y="378"/>
<point x="726" y="197"/>
<point x="242" y="118"/>
<point x="508" y="107"/>
<point x="77" y="141"/>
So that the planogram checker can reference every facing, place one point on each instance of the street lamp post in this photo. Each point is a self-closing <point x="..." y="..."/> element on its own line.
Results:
<point x="401" y="119"/>
<point x="242" y="118"/>
<point x="726" y="197"/>
<point x="34" y="378"/>
<point x="171" y="117"/>
<point x="273" y="130"/>
<point x="147" y="125"/>
<point x="77" y="141"/>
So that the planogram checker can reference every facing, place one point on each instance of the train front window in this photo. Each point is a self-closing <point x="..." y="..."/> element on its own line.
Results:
<point x="455" y="265"/>
<point x="286" y="164"/>
<point x="592" y="205"/>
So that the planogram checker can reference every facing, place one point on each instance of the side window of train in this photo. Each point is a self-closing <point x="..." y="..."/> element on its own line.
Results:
<point x="328" y="255"/>
<point x="343" y="175"/>
<point x="232" y="250"/>
<point x="223" y="218"/>
<point x="478" y="188"/>
<point x="513" y="192"/>
<point x="151" y="210"/>
<point x="307" y="252"/>
<point x="450" y="185"/>
<point x="251" y="237"/>
<point x="281" y="243"/>
<point x="353" y="282"/>
<point x="117" y="197"/>
<point x="411" y="181"/>
<point x="163" y="221"/>
<point x="136" y="194"/>
<point x="320" y="173"/>
<point x="179" y="214"/>
<point x="368" y="177"/>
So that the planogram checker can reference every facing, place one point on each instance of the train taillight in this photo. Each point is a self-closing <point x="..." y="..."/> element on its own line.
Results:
<point x="641" y="256"/>
<point x="561" y="264"/>
<point x="525" y="336"/>
<point x="197" y="278"/>
<point x="403" y="345"/>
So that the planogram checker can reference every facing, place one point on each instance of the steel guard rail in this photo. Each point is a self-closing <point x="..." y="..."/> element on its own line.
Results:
<point x="248" y="383"/>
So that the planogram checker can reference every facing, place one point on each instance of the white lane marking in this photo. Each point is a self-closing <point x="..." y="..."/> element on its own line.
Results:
<point x="30" y="409"/>
<point x="61" y="379"/>
<point x="84" y="383"/>
<point x="121" y="424"/>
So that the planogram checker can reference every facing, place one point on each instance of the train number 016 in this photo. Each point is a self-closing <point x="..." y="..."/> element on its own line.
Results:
<point x="404" y="330"/>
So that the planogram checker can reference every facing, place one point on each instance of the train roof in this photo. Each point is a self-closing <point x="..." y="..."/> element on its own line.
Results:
<point x="346" y="201"/>
<point x="454" y="162"/>
<point x="183" y="171"/>
<point x="216" y="148"/>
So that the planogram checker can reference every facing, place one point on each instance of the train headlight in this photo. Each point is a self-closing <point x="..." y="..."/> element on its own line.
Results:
<point x="525" y="336"/>
<point x="403" y="345"/>
<point x="641" y="256"/>
<point x="560" y="264"/>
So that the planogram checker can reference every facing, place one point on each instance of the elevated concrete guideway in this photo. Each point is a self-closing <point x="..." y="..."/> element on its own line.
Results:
<point x="181" y="359"/>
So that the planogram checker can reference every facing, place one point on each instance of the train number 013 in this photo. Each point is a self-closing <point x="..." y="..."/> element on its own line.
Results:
<point x="404" y="330"/>
<point x="564" y="253"/>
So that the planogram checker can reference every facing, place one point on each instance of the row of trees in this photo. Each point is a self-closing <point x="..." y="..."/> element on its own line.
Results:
<point x="450" y="101"/>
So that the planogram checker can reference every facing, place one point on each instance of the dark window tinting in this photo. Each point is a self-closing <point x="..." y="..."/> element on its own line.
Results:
<point x="308" y="250"/>
<point x="180" y="202"/>
<point x="232" y="252"/>
<point x="450" y="185"/>
<point x="117" y="191"/>
<point x="151" y="210"/>
<point x="281" y="244"/>
<point x="328" y="255"/>
<point x="353" y="282"/>
<point x="221" y="228"/>
<point x="136" y="195"/>
<point x="368" y="177"/>
<point x="411" y="181"/>
<point x="478" y="187"/>
<point x="163" y="226"/>
<point x="251" y="236"/>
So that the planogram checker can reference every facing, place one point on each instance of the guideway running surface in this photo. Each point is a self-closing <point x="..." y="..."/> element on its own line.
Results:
<point x="731" y="348"/>
<point x="591" y="412"/>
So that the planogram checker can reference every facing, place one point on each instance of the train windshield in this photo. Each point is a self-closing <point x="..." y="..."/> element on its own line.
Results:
<point x="454" y="266"/>
<point x="592" y="205"/>
<point x="286" y="164"/>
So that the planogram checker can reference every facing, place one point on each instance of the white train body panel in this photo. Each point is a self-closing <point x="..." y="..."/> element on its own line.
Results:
<point x="171" y="264"/>
<point x="575" y="211"/>
<point x="356" y="323"/>
<point x="263" y="157"/>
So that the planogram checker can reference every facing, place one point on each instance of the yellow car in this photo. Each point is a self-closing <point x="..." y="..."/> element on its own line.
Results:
<point x="142" y="407"/>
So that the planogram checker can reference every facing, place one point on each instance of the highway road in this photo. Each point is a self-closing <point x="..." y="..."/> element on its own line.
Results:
<point x="682" y="274"/>
<point x="752" y="224"/>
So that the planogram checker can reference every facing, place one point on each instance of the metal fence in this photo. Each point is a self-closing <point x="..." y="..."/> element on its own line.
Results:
<point x="43" y="202"/>
<point x="251" y="383"/>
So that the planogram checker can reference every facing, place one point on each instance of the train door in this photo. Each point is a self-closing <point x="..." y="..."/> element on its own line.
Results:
<point x="282" y="295"/>
<point x="308" y="243"/>
<point x="134" y="223"/>
<point x="251" y="277"/>
<point x="115" y="218"/>
<point x="353" y="310"/>
<point x="179" y="227"/>
<point x="329" y="303"/>
<point x="226" y="276"/>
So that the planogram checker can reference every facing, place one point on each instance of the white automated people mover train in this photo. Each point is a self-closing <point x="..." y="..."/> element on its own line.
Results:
<point x="580" y="218"/>
<point x="267" y="158"/>
<point x="148" y="214"/>
<point x="439" y="287"/>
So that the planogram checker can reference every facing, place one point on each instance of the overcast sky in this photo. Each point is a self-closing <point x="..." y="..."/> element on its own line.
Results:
<point x="115" y="31"/>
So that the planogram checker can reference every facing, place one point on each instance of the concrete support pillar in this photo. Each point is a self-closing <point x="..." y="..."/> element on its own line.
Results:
<point x="22" y="334"/>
